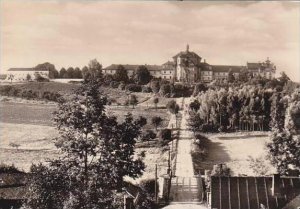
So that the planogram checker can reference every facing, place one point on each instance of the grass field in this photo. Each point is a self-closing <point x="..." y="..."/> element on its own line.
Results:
<point x="234" y="150"/>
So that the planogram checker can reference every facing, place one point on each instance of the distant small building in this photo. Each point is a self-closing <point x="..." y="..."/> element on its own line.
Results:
<point x="189" y="67"/>
<point x="268" y="192"/>
<point x="25" y="74"/>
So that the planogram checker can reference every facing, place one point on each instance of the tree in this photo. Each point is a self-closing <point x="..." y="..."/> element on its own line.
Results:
<point x="283" y="78"/>
<point x="155" y="86"/>
<point x="142" y="75"/>
<point x="85" y="72"/>
<point x="97" y="152"/>
<point x="62" y="73"/>
<point x="28" y="77"/>
<point x="148" y="135"/>
<point x="156" y="121"/>
<point x="195" y="105"/>
<point x="166" y="134"/>
<point x="95" y="69"/>
<point x="165" y="90"/>
<point x="133" y="100"/>
<point x="70" y="72"/>
<point x="155" y="101"/>
<point x="53" y="73"/>
<point x="10" y="77"/>
<point x="284" y="151"/>
<point x="231" y="77"/>
<point x="173" y="108"/>
<point x="195" y="122"/>
<point x="77" y="73"/>
<point x="121" y="74"/>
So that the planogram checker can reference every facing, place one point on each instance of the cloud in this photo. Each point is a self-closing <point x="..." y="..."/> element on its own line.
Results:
<point x="70" y="33"/>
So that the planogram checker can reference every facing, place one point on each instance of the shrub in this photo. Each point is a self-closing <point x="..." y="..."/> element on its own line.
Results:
<point x="148" y="186"/>
<point x="114" y="84"/>
<point x="146" y="89"/>
<point x="155" y="86"/>
<point x="121" y="86"/>
<point x="165" y="134"/>
<point x="148" y="135"/>
<point x="9" y="169"/>
<point x="133" y="88"/>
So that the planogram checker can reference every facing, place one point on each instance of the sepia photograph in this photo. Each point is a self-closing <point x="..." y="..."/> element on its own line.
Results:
<point x="149" y="104"/>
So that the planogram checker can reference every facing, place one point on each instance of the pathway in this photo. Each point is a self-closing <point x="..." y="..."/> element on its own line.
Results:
<point x="185" y="187"/>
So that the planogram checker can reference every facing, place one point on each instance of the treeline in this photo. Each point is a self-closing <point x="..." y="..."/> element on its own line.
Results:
<point x="249" y="108"/>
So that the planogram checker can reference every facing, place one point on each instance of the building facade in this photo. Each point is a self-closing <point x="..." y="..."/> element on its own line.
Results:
<point x="25" y="74"/>
<point x="188" y="67"/>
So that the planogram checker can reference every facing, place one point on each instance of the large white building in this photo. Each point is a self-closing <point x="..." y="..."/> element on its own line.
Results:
<point x="187" y="66"/>
<point x="25" y="74"/>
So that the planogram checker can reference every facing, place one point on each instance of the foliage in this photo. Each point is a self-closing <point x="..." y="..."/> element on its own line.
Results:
<point x="166" y="90"/>
<point x="142" y="75"/>
<point x="220" y="170"/>
<point x="156" y="121"/>
<point x="148" y="135"/>
<point x="231" y="77"/>
<point x="195" y="105"/>
<point x="132" y="100"/>
<point x="199" y="87"/>
<point x="53" y="73"/>
<point x="97" y="153"/>
<point x="133" y="88"/>
<point x="121" y="74"/>
<point x="148" y="186"/>
<point x="258" y="165"/>
<point x="8" y="169"/>
<point x="39" y="78"/>
<point x="155" y="86"/>
<point x="284" y="151"/>
<point x="28" y="77"/>
<point x="165" y="134"/>
<point x="146" y="89"/>
<point x="63" y="73"/>
<point x="195" y="122"/>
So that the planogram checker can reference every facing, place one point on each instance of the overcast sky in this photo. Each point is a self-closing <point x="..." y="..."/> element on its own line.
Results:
<point x="70" y="33"/>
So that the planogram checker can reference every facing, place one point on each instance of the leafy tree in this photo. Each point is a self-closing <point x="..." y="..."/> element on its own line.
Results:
<point x="231" y="77"/>
<point x="53" y="73"/>
<point x="283" y="78"/>
<point x="11" y="77"/>
<point x="284" y="151"/>
<point x="155" y="86"/>
<point x="166" y="134"/>
<point x="28" y="77"/>
<point x="199" y="87"/>
<point x="121" y="74"/>
<point x="195" y="105"/>
<point x="77" y="73"/>
<point x="70" y="72"/>
<point x="85" y="72"/>
<point x="155" y="101"/>
<point x="133" y="100"/>
<point x="63" y="73"/>
<point x="195" y="122"/>
<point x="95" y="69"/>
<point x="142" y="75"/>
<point x="165" y="90"/>
<point x="97" y="152"/>
<point x="259" y="166"/>
<point x="156" y="121"/>
<point x="173" y="108"/>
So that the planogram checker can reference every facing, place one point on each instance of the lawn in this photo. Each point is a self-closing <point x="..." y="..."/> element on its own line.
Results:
<point x="234" y="150"/>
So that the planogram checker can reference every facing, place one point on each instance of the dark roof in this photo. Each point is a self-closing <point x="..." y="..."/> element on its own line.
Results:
<point x="226" y="68"/>
<point x="26" y="69"/>
<point x="253" y="65"/>
<point x="250" y="192"/>
<point x="13" y="185"/>
<point x="134" y="67"/>
<point x="186" y="54"/>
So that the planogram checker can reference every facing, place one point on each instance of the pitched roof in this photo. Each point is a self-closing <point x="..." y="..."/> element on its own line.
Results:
<point x="250" y="192"/>
<point x="134" y="67"/>
<point x="26" y="69"/>
<point x="169" y="63"/>
<point x="226" y="68"/>
<point x="253" y="65"/>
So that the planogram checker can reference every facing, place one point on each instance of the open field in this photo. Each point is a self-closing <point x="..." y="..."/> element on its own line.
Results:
<point x="234" y="150"/>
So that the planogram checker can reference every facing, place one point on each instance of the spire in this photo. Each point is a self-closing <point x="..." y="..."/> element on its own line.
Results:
<point x="187" y="47"/>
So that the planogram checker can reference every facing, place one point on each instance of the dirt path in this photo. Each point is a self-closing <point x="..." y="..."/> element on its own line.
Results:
<point x="185" y="187"/>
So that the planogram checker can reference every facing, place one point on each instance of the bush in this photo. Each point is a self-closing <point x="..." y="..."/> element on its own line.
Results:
<point x="148" y="135"/>
<point x="114" y="84"/>
<point x="165" y="134"/>
<point x="146" y="89"/>
<point x="9" y="169"/>
<point x="121" y="86"/>
<point x="148" y="187"/>
<point x="133" y="88"/>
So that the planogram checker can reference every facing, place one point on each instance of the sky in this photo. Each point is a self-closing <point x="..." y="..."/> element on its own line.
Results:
<point x="70" y="33"/>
